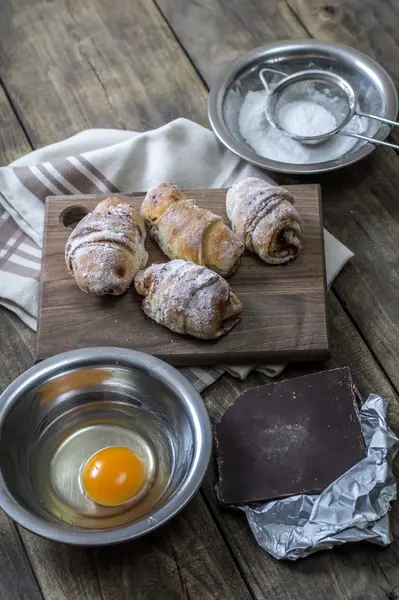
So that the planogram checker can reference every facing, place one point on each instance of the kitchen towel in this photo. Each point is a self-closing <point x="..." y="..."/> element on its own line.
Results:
<point x="107" y="161"/>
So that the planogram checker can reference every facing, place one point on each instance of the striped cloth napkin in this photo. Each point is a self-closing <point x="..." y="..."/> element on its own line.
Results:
<point x="109" y="161"/>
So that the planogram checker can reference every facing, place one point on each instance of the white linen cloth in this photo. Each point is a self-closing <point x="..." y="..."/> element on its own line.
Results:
<point x="111" y="161"/>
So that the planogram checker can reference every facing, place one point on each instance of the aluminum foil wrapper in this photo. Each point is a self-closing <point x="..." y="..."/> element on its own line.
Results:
<point x="353" y="508"/>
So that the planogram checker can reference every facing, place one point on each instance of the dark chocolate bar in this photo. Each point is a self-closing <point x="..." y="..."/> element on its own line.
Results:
<point x="290" y="437"/>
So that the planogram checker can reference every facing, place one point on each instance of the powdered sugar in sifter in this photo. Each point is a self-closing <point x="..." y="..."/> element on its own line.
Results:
<point x="330" y="92"/>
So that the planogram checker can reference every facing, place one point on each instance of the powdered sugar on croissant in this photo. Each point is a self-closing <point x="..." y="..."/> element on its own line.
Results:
<point x="265" y="219"/>
<point x="188" y="299"/>
<point x="106" y="249"/>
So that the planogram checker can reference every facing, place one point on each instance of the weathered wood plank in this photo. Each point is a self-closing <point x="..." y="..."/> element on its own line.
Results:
<point x="13" y="141"/>
<point x="213" y="32"/>
<point x="186" y="559"/>
<point x="16" y="348"/>
<point x="17" y="581"/>
<point x="368" y="25"/>
<point x="74" y="65"/>
<point x="362" y="210"/>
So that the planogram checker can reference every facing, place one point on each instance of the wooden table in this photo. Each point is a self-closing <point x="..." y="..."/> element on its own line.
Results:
<point x="67" y="65"/>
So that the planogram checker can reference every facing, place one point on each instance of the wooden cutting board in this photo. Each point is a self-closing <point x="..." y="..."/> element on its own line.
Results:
<point x="284" y="306"/>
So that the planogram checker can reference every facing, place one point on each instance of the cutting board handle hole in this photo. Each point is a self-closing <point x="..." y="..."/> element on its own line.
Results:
<point x="71" y="216"/>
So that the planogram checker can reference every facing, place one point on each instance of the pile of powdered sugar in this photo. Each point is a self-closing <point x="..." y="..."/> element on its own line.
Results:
<point x="271" y="143"/>
<point x="306" y="118"/>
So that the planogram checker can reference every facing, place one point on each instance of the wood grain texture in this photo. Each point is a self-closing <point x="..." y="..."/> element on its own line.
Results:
<point x="71" y="65"/>
<point x="17" y="580"/>
<point x="214" y="32"/>
<point x="13" y="142"/>
<point x="284" y="306"/>
<point x="368" y="25"/>
<point x="361" y="209"/>
<point x="185" y="559"/>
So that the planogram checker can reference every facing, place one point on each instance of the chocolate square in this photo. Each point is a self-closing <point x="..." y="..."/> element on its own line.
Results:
<point x="289" y="437"/>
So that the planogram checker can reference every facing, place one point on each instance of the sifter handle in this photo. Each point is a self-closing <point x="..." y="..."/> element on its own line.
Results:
<point x="369" y="139"/>
<point x="381" y="119"/>
<point x="269" y="70"/>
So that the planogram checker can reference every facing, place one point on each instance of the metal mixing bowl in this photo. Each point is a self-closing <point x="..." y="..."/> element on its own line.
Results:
<point x="108" y="391"/>
<point x="376" y="95"/>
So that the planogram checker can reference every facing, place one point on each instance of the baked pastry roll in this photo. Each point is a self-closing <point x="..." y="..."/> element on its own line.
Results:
<point x="106" y="249"/>
<point x="264" y="218"/>
<point x="184" y="230"/>
<point x="188" y="299"/>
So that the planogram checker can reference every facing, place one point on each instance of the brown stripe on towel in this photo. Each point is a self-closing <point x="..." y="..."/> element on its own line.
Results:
<point x="23" y="254"/>
<point x="9" y="230"/>
<point x="8" y="227"/>
<point x="54" y="181"/>
<point x="11" y="249"/>
<point x="29" y="242"/>
<point x="21" y="270"/>
<point x="32" y="183"/>
<point x="75" y="177"/>
<point x="97" y="174"/>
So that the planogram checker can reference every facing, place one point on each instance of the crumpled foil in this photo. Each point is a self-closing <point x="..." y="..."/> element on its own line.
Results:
<point x="353" y="508"/>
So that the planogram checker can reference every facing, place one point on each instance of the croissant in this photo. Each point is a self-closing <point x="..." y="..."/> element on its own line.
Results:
<point x="265" y="219"/>
<point x="106" y="249"/>
<point x="184" y="230"/>
<point x="188" y="299"/>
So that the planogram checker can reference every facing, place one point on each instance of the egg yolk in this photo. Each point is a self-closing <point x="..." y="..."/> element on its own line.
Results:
<point x="113" y="476"/>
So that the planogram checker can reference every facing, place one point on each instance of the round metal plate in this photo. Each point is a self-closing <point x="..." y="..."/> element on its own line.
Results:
<point x="374" y="87"/>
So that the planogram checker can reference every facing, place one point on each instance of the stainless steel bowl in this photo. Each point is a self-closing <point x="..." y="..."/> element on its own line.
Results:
<point x="68" y="407"/>
<point x="376" y="95"/>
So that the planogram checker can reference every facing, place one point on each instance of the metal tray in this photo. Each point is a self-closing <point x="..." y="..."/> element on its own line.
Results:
<point x="375" y="88"/>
